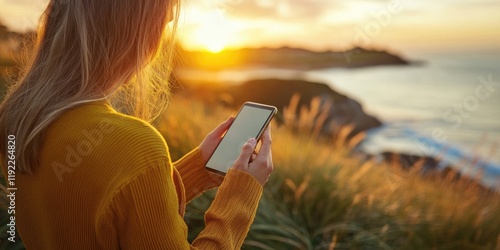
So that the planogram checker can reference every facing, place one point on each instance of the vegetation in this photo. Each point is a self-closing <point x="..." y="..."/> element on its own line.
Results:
<point x="322" y="197"/>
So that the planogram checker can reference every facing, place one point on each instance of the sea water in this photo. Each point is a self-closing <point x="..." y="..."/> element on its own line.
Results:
<point x="447" y="106"/>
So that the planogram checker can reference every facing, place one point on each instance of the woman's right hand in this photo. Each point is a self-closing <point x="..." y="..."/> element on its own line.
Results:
<point x="262" y="164"/>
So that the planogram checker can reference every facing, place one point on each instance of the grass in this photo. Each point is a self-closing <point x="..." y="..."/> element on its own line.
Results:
<point x="321" y="196"/>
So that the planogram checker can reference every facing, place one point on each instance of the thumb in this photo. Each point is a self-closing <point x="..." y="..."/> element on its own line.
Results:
<point x="219" y="130"/>
<point x="246" y="152"/>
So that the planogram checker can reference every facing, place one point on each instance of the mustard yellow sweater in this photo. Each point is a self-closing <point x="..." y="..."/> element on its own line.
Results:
<point x="106" y="181"/>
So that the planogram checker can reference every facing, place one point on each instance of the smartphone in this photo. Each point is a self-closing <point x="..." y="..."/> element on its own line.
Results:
<point x="250" y="122"/>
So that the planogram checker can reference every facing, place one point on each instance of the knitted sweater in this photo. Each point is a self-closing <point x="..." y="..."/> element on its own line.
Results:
<point x="106" y="181"/>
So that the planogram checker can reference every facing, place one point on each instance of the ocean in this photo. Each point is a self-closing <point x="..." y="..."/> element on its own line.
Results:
<point x="447" y="106"/>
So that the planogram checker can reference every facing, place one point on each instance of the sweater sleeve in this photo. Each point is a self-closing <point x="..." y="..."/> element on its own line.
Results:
<point x="195" y="178"/>
<point x="144" y="214"/>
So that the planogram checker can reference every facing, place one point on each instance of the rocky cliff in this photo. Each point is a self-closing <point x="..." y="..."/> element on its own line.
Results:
<point x="325" y="108"/>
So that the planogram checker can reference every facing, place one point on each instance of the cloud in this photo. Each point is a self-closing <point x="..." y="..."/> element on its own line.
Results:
<point x="279" y="10"/>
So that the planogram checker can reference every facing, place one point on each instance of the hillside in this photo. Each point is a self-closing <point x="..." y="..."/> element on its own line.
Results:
<point x="287" y="58"/>
<point x="329" y="109"/>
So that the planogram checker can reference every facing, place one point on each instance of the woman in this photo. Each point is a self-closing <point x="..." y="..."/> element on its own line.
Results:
<point x="90" y="177"/>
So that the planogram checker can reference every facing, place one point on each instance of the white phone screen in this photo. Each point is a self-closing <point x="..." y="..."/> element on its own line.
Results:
<point x="249" y="123"/>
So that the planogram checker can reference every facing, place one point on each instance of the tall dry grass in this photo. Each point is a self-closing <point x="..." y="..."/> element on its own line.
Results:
<point x="321" y="197"/>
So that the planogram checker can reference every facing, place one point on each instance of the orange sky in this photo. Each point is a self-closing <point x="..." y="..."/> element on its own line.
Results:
<point x="401" y="25"/>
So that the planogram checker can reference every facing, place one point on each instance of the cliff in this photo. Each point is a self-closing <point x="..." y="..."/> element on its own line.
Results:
<point x="333" y="110"/>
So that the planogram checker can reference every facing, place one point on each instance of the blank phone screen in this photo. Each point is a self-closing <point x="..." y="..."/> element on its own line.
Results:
<point x="249" y="123"/>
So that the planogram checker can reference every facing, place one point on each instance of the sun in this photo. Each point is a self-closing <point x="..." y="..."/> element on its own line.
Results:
<point x="210" y="32"/>
<point x="212" y="38"/>
<point x="215" y="46"/>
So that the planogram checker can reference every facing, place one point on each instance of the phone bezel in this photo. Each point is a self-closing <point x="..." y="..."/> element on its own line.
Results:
<point x="261" y="131"/>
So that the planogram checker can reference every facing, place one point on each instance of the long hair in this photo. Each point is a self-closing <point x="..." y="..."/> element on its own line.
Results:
<point x="90" y="50"/>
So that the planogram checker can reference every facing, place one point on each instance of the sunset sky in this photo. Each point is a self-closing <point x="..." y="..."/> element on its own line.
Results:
<point x="402" y="25"/>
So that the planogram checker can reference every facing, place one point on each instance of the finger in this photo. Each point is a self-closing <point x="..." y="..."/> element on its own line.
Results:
<point x="254" y="155"/>
<point x="268" y="129"/>
<point x="219" y="130"/>
<point x="246" y="153"/>
<point x="265" y="148"/>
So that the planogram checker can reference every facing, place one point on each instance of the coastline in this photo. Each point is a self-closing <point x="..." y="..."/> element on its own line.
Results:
<point x="434" y="162"/>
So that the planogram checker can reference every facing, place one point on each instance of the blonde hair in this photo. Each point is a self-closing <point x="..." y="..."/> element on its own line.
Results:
<point x="90" y="50"/>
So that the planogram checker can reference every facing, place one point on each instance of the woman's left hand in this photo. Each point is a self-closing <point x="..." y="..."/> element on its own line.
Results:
<point x="211" y="141"/>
